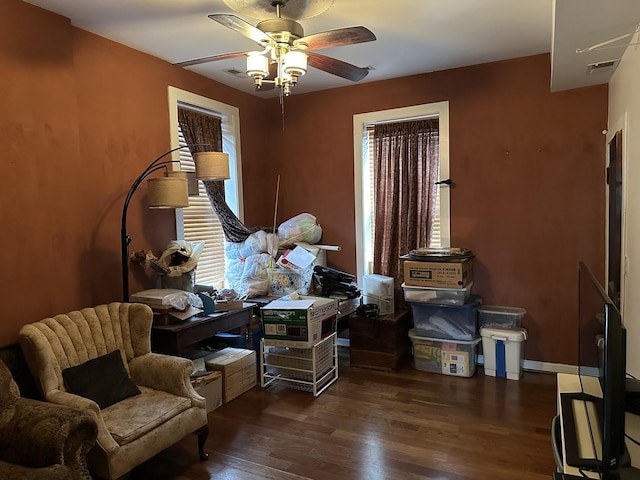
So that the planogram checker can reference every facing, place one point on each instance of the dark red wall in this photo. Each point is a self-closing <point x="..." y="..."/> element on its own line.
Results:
<point x="81" y="116"/>
<point x="528" y="167"/>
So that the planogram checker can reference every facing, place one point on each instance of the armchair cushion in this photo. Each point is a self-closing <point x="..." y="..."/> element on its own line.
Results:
<point x="102" y="379"/>
<point x="134" y="417"/>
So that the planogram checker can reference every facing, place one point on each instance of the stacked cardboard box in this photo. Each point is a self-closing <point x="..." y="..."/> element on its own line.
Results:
<point x="452" y="274"/>
<point x="300" y="323"/>
<point x="210" y="387"/>
<point x="239" y="370"/>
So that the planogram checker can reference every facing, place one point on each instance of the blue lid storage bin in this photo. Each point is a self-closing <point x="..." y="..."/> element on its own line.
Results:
<point x="449" y="322"/>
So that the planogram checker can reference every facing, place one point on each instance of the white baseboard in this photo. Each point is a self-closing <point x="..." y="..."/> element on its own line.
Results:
<point x="529" y="365"/>
<point x="537" y="366"/>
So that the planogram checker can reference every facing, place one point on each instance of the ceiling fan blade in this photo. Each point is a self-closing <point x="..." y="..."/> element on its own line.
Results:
<point x="337" y="38"/>
<point x="244" y="28"/>
<point x="212" y="58"/>
<point x="336" y="67"/>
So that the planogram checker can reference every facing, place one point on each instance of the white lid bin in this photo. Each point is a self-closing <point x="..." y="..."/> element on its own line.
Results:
<point x="502" y="350"/>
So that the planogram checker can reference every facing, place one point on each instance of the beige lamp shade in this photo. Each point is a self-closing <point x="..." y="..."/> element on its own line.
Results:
<point x="212" y="165"/>
<point x="167" y="192"/>
<point x="192" y="180"/>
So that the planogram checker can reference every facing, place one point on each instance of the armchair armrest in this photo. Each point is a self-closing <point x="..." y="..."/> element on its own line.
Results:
<point x="11" y="471"/>
<point x="105" y="440"/>
<point x="39" y="434"/>
<point x="164" y="372"/>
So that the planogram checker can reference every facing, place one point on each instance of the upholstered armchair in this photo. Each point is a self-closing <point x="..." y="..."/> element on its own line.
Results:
<point x="99" y="360"/>
<point x="41" y="441"/>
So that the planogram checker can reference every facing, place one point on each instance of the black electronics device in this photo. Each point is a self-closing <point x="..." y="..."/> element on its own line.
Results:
<point x="602" y="354"/>
<point x="333" y="274"/>
<point x="368" y="310"/>
<point x="632" y="395"/>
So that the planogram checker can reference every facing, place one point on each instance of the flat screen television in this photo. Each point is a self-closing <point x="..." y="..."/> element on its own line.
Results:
<point x="602" y="357"/>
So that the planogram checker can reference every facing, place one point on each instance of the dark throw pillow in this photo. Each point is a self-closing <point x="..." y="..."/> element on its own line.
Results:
<point x="103" y="380"/>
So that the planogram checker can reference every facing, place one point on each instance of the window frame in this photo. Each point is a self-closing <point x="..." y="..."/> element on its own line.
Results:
<point x="230" y="123"/>
<point x="360" y="123"/>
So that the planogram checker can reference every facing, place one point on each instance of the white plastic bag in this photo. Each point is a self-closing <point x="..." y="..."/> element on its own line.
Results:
<point x="190" y="251"/>
<point x="301" y="228"/>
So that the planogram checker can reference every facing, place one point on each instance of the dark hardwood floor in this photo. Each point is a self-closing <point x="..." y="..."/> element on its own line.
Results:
<point x="376" y="425"/>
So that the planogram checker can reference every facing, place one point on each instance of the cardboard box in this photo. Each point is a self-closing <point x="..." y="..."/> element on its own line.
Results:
<point x="239" y="370"/>
<point x="438" y="274"/>
<point x="210" y="387"/>
<point x="228" y="305"/>
<point x="299" y="323"/>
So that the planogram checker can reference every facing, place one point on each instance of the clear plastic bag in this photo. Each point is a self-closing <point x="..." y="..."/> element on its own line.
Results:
<point x="301" y="228"/>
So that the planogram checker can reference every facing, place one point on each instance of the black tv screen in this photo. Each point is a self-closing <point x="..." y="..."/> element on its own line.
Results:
<point x="602" y="354"/>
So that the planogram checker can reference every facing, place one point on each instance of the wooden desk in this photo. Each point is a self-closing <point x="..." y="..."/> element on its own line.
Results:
<point x="175" y="338"/>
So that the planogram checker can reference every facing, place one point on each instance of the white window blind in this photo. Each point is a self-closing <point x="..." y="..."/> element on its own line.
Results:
<point x="201" y="224"/>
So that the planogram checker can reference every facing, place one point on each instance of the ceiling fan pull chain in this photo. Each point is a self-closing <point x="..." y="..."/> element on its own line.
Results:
<point x="282" y="107"/>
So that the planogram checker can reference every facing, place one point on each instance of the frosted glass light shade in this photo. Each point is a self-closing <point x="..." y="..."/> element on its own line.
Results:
<point x="295" y="63"/>
<point x="167" y="192"/>
<point x="257" y="65"/>
<point x="212" y="165"/>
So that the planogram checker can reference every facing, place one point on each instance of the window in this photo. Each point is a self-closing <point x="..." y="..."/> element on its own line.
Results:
<point x="199" y="222"/>
<point x="363" y="169"/>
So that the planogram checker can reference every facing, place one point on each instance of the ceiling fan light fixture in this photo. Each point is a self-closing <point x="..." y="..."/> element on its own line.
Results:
<point x="295" y="63"/>
<point x="257" y="65"/>
<point x="287" y="51"/>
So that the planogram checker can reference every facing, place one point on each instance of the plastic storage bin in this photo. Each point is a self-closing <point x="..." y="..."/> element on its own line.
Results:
<point x="448" y="357"/>
<point x="453" y="296"/>
<point x="492" y="316"/>
<point x="452" y="322"/>
<point x="502" y="349"/>
<point x="283" y="281"/>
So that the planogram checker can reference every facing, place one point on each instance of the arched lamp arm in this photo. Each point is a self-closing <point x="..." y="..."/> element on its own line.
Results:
<point x="125" y="239"/>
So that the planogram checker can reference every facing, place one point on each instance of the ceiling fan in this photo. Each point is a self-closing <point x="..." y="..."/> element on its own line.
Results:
<point x="286" y="50"/>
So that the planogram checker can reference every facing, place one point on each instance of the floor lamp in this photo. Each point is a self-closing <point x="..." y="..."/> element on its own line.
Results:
<point x="170" y="191"/>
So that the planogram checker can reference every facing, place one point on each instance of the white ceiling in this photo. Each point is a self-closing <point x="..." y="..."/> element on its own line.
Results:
<point x="413" y="36"/>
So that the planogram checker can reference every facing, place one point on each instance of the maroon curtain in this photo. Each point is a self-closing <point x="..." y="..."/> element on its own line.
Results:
<point x="199" y="128"/>
<point x="406" y="169"/>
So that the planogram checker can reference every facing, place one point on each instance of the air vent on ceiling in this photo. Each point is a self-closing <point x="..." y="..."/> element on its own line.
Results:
<point x="607" y="66"/>
<point x="236" y="73"/>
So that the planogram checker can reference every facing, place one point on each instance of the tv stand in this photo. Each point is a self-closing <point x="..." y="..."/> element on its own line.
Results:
<point x="627" y="473"/>
<point x="568" y="384"/>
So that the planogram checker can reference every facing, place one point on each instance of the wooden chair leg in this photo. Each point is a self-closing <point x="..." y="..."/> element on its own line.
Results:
<point x="202" y="433"/>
